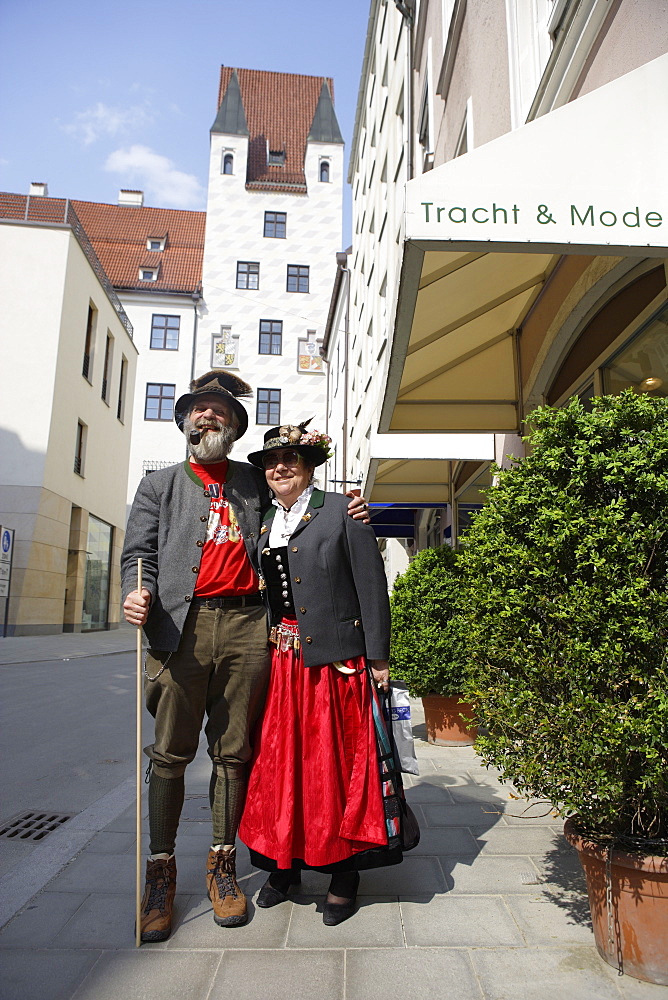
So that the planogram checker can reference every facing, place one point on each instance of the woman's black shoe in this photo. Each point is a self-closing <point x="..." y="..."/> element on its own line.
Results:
<point x="275" y="890"/>
<point x="343" y="884"/>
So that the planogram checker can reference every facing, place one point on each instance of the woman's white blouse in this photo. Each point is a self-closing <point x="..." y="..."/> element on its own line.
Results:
<point x="285" y="521"/>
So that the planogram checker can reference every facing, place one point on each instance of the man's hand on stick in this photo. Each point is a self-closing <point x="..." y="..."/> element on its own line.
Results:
<point x="135" y="607"/>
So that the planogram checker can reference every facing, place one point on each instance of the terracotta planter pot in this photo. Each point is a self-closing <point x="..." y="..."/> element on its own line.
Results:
<point x="631" y="934"/>
<point x="444" y="726"/>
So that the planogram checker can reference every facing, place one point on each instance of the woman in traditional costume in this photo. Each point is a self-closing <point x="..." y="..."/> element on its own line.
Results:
<point x="314" y="796"/>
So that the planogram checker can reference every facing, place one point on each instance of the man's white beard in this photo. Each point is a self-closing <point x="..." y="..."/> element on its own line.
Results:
<point x="214" y="445"/>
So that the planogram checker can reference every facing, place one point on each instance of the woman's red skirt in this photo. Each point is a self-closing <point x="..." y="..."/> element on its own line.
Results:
<point x="314" y="796"/>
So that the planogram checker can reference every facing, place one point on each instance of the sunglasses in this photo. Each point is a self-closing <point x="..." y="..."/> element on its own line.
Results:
<point x="272" y="459"/>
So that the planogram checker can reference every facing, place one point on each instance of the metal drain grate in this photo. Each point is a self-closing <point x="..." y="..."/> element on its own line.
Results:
<point x="32" y="825"/>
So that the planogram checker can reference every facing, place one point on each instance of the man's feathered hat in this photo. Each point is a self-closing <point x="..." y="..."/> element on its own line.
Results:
<point x="217" y="382"/>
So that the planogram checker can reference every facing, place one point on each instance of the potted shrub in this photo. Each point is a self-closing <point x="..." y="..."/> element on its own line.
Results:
<point x="566" y="597"/>
<point x="428" y="650"/>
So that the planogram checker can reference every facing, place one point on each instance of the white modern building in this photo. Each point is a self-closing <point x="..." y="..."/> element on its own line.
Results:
<point x="66" y="388"/>
<point x="274" y="216"/>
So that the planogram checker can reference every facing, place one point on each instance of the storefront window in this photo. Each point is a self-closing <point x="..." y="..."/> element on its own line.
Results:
<point x="585" y="395"/>
<point x="435" y="530"/>
<point x="98" y="565"/>
<point x="643" y="363"/>
<point x="472" y="499"/>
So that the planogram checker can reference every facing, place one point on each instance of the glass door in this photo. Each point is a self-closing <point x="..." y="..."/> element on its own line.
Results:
<point x="98" y="567"/>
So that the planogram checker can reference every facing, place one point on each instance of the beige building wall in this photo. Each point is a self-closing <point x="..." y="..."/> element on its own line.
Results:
<point x="101" y="488"/>
<point x="46" y="288"/>
<point x="635" y="32"/>
<point x="32" y="327"/>
<point x="477" y="99"/>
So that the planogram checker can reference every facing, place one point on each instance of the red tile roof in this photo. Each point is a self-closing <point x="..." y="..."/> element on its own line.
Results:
<point x="119" y="234"/>
<point x="33" y="208"/>
<point x="279" y="110"/>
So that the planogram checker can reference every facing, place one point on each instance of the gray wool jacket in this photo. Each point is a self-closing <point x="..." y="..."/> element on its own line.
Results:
<point x="338" y="583"/>
<point x="167" y="528"/>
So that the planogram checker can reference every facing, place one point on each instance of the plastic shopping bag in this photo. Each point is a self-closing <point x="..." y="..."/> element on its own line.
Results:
<point x="402" y="731"/>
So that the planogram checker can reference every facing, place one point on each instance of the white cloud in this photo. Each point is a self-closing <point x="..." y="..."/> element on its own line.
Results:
<point x="157" y="176"/>
<point x="102" y="120"/>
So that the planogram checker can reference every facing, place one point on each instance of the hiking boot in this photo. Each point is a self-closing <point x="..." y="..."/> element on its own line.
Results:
<point x="229" y="902"/>
<point x="158" y="901"/>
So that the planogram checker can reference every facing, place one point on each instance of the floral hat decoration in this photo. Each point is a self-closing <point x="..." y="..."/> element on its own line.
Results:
<point x="313" y="445"/>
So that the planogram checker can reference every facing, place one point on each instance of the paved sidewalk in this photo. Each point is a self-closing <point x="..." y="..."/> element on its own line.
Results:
<point x="66" y="645"/>
<point x="490" y="906"/>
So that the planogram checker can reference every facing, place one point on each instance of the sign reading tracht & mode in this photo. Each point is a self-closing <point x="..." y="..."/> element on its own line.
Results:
<point x="566" y="223"/>
<point x="578" y="215"/>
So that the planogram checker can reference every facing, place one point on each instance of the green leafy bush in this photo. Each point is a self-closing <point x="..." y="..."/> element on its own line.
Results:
<point x="427" y="651"/>
<point x="567" y="605"/>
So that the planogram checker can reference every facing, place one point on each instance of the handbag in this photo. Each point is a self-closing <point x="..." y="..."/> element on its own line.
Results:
<point x="403" y="830"/>
<point x="399" y="708"/>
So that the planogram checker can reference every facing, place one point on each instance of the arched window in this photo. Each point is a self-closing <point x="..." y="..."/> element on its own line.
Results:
<point x="324" y="171"/>
<point x="228" y="163"/>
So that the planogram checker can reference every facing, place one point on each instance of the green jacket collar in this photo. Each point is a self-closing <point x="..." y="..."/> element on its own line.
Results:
<point x="316" y="501"/>
<point x="190" y="472"/>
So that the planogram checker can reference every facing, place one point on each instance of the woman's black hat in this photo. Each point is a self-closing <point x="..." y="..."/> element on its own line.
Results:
<point x="315" y="450"/>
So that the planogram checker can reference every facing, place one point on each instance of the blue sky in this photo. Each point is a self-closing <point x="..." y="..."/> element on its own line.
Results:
<point x="96" y="97"/>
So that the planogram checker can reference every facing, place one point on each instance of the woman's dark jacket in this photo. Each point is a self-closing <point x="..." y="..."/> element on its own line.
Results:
<point x="338" y="583"/>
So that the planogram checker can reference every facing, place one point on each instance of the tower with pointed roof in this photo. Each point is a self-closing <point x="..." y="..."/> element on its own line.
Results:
<point x="274" y="220"/>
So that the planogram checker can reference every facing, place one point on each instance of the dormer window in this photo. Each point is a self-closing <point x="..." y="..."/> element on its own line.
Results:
<point x="277" y="157"/>
<point x="148" y="274"/>
<point x="324" y="171"/>
<point x="228" y="163"/>
<point x="156" y="243"/>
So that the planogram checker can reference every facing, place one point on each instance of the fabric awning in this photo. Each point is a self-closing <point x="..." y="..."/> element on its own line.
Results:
<point x="483" y="233"/>
<point x="411" y="469"/>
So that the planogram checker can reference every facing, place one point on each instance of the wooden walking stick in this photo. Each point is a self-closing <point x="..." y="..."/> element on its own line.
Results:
<point x="138" y="893"/>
